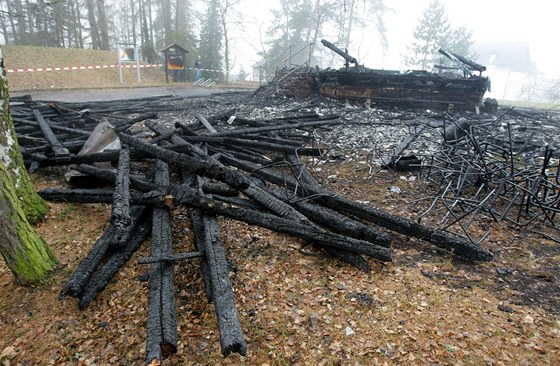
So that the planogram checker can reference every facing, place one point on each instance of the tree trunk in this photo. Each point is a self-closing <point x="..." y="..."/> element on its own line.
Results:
<point x="30" y="21"/>
<point x="166" y="14"/>
<point x="223" y="15"/>
<point x="27" y="255"/>
<point x="133" y="21"/>
<point x="12" y="23"/>
<point x="94" y="32"/>
<point x="79" y="25"/>
<point x="151" y="22"/>
<point x="20" y="16"/>
<point x="103" y="25"/>
<point x="3" y="15"/>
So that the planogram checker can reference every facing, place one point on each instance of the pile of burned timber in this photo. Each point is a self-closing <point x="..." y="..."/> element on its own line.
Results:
<point x="358" y="83"/>
<point x="251" y="172"/>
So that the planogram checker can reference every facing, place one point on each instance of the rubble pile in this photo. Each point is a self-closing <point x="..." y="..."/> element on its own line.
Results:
<point x="249" y="158"/>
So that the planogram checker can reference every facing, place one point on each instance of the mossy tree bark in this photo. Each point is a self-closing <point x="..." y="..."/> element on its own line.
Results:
<point x="25" y="252"/>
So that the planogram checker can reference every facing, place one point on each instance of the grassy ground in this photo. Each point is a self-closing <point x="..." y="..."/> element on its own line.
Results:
<point x="36" y="57"/>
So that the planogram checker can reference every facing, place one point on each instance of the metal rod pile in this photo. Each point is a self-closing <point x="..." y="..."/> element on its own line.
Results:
<point x="500" y="170"/>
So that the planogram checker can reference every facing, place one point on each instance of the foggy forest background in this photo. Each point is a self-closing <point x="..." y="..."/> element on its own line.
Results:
<point x="217" y="31"/>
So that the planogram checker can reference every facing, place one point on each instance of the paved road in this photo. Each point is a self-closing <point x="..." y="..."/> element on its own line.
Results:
<point x="94" y="95"/>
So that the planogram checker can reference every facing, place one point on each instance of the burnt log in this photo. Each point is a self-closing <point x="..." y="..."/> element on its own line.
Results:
<point x="286" y="226"/>
<point x="60" y="152"/>
<point x="255" y="158"/>
<point x="33" y="125"/>
<point x="161" y="339"/>
<point x="101" y="195"/>
<point x="120" y="211"/>
<point x="340" y="52"/>
<point x="83" y="272"/>
<point x="109" y="175"/>
<point x="164" y="131"/>
<point x="188" y="130"/>
<point x="231" y="334"/>
<point x="444" y="240"/>
<point x="334" y="220"/>
<point x="441" y="239"/>
<point x="253" y="143"/>
<point x="192" y="164"/>
<point x="199" y="236"/>
<point x="79" y="195"/>
<point x="103" y="275"/>
<point x="324" y="121"/>
<point x="278" y="207"/>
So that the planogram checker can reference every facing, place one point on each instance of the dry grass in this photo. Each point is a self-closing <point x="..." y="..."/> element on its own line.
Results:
<point x="425" y="307"/>
<point x="35" y="57"/>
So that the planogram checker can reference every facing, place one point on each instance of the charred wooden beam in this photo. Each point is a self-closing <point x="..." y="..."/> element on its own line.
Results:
<point x="340" y="52"/>
<point x="32" y="125"/>
<point x="78" y="195"/>
<point x="278" y="207"/>
<point x="219" y="189"/>
<point x="161" y="339"/>
<point x="254" y="143"/>
<point x="231" y="334"/>
<point x="109" y="175"/>
<point x="120" y="212"/>
<point x="287" y="226"/>
<point x="101" y="195"/>
<point x="255" y="158"/>
<point x="164" y="131"/>
<point x="444" y="240"/>
<point x="324" y="121"/>
<point x="404" y="226"/>
<point x="205" y="122"/>
<point x="192" y="164"/>
<point x="334" y="220"/>
<point x="61" y="153"/>
<point x="103" y="275"/>
<point x="198" y="230"/>
<point x="80" y="279"/>
<point x="76" y="283"/>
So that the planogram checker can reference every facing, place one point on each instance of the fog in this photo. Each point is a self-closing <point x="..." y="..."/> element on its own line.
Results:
<point x="491" y="21"/>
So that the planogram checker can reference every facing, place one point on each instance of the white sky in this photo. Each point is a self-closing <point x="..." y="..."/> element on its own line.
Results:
<point x="536" y="22"/>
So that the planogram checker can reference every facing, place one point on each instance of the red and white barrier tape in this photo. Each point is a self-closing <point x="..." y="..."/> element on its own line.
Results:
<point x="73" y="68"/>
<point x="97" y="67"/>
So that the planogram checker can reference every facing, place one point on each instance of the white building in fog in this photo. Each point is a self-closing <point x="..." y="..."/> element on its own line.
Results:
<point x="510" y="68"/>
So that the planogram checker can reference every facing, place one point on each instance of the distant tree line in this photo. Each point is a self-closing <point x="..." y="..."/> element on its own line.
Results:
<point x="209" y="29"/>
<point x="434" y="31"/>
<point x="300" y="23"/>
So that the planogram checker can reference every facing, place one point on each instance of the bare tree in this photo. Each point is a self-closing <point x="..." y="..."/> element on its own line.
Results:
<point x="3" y="14"/>
<point x="229" y="17"/>
<point x="167" y="28"/>
<point x="93" y="29"/>
<point x="20" y="18"/>
<point x="11" y="16"/>
<point x="133" y="14"/>
<point x="103" y="25"/>
<point x="78" y="23"/>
